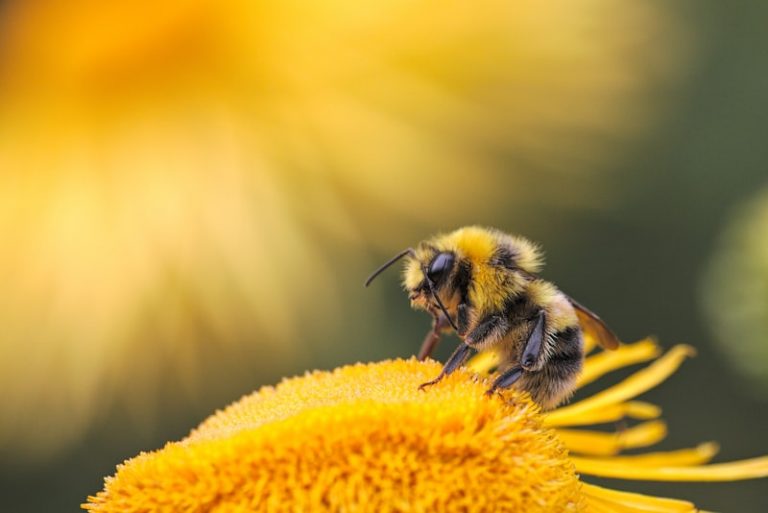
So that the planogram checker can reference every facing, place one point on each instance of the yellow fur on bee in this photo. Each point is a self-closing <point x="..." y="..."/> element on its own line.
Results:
<point x="412" y="274"/>
<point x="473" y="242"/>
<point x="528" y="256"/>
<point x="480" y="244"/>
<point x="491" y="286"/>
<point x="560" y="314"/>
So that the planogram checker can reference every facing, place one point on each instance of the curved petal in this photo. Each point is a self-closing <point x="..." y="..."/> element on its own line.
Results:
<point x="602" y="363"/>
<point x="633" y="386"/>
<point x="634" y="502"/>
<point x="733" y="471"/>
<point x="606" y="444"/>
<point x="612" y="413"/>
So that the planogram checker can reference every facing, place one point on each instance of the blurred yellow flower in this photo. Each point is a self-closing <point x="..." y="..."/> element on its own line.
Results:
<point x="735" y="290"/>
<point x="364" y="438"/>
<point x="170" y="168"/>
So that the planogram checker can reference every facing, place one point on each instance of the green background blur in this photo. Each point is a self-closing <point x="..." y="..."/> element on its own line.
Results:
<point x="639" y="251"/>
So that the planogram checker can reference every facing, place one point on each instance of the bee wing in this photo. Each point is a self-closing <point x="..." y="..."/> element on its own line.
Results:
<point x="594" y="326"/>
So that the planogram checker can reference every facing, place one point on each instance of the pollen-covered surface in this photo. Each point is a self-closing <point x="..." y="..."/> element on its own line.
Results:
<point x="360" y="438"/>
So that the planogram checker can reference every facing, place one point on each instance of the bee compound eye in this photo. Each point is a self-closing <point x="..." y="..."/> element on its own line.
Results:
<point x="441" y="264"/>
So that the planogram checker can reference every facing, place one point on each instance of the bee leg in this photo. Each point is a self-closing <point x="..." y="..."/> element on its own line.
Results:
<point x="488" y="330"/>
<point x="439" y="323"/>
<point x="430" y="341"/>
<point x="531" y="353"/>
<point x="507" y="378"/>
<point x="533" y="345"/>
<point x="462" y="319"/>
<point x="458" y="357"/>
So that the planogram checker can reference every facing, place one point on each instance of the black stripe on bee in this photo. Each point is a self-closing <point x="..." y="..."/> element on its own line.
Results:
<point x="515" y="303"/>
<point x="519" y="308"/>
<point x="568" y="352"/>
<point x="504" y="257"/>
<point x="463" y="280"/>
<point x="462" y="283"/>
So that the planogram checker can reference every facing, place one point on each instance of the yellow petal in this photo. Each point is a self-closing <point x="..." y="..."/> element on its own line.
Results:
<point x="598" y="506"/>
<point x="683" y="457"/>
<point x="589" y="343"/>
<point x="732" y="471"/>
<point x="642" y="410"/>
<point x="634" y="385"/>
<point x="626" y="501"/>
<point x="611" y="413"/>
<point x="605" y="444"/>
<point x="607" y="361"/>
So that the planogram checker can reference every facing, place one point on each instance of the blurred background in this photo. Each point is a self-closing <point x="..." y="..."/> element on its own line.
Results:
<point x="193" y="192"/>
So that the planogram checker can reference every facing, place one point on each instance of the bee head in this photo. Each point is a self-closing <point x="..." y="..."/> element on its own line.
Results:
<point x="427" y="270"/>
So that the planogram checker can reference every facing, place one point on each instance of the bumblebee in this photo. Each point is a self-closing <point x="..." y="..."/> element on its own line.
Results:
<point x="483" y="284"/>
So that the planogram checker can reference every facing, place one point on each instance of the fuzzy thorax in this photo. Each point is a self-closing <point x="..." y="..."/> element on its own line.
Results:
<point x="490" y="253"/>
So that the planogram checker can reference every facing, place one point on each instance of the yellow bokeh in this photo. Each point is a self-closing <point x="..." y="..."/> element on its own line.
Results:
<point x="177" y="174"/>
<point x="735" y="291"/>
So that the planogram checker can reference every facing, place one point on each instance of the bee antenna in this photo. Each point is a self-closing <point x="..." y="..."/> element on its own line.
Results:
<point x="408" y="251"/>
<point x="440" y="304"/>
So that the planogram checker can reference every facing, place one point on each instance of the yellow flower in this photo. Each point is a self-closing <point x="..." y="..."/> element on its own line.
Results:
<point x="363" y="438"/>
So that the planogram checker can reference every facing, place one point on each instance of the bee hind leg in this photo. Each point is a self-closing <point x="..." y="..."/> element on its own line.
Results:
<point x="458" y="357"/>
<point x="507" y="378"/>
<point x="532" y="351"/>
<point x="531" y="355"/>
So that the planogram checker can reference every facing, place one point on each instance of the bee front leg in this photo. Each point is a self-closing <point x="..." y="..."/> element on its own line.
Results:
<point x="439" y="323"/>
<point x="458" y="357"/>
<point x="489" y="330"/>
